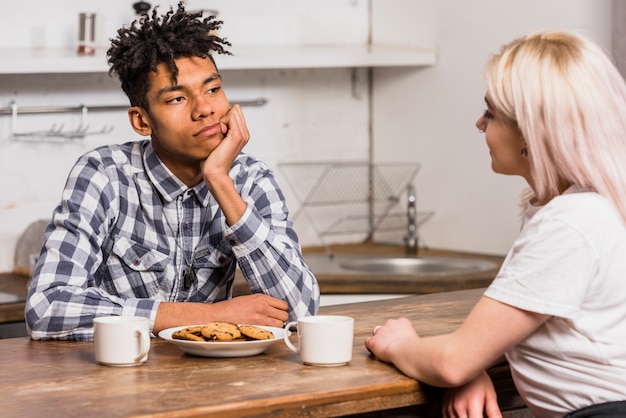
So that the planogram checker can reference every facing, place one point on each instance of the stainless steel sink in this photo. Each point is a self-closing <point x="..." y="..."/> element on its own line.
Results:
<point x="9" y="297"/>
<point x="412" y="266"/>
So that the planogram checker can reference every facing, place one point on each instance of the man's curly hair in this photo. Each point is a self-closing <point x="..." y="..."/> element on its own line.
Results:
<point x="152" y="40"/>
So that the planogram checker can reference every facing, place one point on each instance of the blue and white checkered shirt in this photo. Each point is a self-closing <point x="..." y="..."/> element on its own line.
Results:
<point x="114" y="244"/>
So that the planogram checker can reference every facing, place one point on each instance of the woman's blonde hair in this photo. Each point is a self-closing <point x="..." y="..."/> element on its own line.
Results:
<point x="568" y="100"/>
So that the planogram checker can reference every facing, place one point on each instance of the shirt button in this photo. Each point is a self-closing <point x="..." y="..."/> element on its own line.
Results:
<point x="186" y="226"/>
<point x="136" y="261"/>
<point x="221" y="259"/>
<point x="232" y="241"/>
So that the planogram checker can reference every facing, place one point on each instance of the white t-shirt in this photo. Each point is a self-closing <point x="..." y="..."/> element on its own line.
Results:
<point x="569" y="262"/>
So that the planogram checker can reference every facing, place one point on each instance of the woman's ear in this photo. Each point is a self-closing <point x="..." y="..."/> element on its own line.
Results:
<point x="140" y="121"/>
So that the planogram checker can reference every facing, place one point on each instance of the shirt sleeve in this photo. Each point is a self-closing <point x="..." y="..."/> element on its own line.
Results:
<point x="63" y="297"/>
<point x="266" y="245"/>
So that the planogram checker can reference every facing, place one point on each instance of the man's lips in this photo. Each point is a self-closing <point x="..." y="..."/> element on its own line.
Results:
<point x="209" y="130"/>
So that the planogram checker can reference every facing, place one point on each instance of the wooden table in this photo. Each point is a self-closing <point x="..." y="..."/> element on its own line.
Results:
<point x="57" y="378"/>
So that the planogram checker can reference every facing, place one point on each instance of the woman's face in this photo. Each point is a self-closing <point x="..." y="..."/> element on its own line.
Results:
<point x="507" y="147"/>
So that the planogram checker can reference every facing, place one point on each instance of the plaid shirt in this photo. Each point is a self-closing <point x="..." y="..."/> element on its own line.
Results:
<point x="126" y="229"/>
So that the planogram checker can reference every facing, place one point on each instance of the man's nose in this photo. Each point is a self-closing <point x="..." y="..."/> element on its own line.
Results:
<point x="202" y="108"/>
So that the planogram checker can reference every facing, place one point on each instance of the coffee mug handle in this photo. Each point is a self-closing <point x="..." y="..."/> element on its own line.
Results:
<point x="144" y="339"/>
<point x="286" y="337"/>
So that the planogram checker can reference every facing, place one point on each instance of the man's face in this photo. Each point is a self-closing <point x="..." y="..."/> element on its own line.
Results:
<point x="184" y="116"/>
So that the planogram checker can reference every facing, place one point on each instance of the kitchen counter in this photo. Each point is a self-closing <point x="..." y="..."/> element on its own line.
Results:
<point x="383" y="283"/>
<point x="14" y="285"/>
<point x="61" y="378"/>
<point x="12" y="296"/>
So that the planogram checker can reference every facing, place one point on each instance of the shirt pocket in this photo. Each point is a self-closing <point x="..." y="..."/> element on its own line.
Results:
<point x="215" y="271"/>
<point x="135" y="269"/>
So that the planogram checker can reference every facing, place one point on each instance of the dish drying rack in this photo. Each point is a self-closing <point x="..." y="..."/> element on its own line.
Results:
<point x="347" y="198"/>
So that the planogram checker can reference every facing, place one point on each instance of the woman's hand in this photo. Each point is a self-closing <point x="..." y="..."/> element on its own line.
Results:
<point x="384" y="336"/>
<point x="471" y="400"/>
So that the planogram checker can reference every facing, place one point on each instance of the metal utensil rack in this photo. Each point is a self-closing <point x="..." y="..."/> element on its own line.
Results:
<point x="351" y="197"/>
<point x="55" y="133"/>
<point x="58" y="133"/>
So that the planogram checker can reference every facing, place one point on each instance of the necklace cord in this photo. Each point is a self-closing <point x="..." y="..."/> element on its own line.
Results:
<point x="189" y="276"/>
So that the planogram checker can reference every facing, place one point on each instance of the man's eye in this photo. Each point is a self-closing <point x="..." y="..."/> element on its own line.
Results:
<point x="213" y="90"/>
<point x="175" y="100"/>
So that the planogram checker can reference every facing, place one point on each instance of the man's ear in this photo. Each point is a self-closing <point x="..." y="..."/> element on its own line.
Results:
<point x="140" y="121"/>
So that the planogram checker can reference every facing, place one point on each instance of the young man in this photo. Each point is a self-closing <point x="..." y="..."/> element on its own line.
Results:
<point x="156" y="227"/>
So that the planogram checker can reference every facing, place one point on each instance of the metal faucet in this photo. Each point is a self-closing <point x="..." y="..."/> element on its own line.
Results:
<point x="410" y="240"/>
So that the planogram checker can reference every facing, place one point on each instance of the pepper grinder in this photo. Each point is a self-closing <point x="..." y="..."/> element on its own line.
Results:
<point x="87" y="34"/>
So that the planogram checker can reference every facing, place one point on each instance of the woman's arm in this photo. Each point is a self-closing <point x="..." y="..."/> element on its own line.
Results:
<point x="455" y="359"/>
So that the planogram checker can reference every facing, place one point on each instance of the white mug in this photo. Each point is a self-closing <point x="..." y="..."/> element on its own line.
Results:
<point x="323" y="340"/>
<point x="121" y="340"/>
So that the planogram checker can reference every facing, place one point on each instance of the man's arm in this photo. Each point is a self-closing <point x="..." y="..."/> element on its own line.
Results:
<point x="260" y="230"/>
<point x="256" y="309"/>
<point x="216" y="167"/>
<point x="63" y="298"/>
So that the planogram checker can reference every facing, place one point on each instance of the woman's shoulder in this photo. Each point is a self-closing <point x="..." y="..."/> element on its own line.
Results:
<point x="581" y="209"/>
<point x="577" y="200"/>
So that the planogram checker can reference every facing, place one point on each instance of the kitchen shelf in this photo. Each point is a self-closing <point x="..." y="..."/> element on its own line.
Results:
<point x="50" y="61"/>
<point x="285" y="57"/>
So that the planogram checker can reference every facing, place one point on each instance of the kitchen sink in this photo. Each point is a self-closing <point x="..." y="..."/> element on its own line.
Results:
<point x="9" y="297"/>
<point x="406" y="266"/>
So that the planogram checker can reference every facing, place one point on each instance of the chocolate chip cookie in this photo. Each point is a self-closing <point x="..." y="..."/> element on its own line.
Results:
<point x="256" y="333"/>
<point x="221" y="331"/>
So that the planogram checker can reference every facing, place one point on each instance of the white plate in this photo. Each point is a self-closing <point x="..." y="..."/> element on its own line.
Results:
<point x="223" y="349"/>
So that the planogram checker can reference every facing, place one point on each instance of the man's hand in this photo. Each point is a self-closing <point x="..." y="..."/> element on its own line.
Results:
<point x="471" y="399"/>
<point x="256" y="309"/>
<point x="216" y="167"/>
<point x="236" y="136"/>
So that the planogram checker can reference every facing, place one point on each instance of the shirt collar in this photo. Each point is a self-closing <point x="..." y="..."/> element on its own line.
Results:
<point x="166" y="183"/>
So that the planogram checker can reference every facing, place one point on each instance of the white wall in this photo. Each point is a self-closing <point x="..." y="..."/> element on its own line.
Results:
<point x="423" y="114"/>
<point x="310" y="114"/>
<point x="429" y="114"/>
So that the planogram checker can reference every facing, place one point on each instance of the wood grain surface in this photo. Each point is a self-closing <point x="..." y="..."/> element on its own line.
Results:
<point x="55" y="378"/>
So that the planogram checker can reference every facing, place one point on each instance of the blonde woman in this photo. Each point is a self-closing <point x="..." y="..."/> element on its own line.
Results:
<point x="556" y="115"/>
